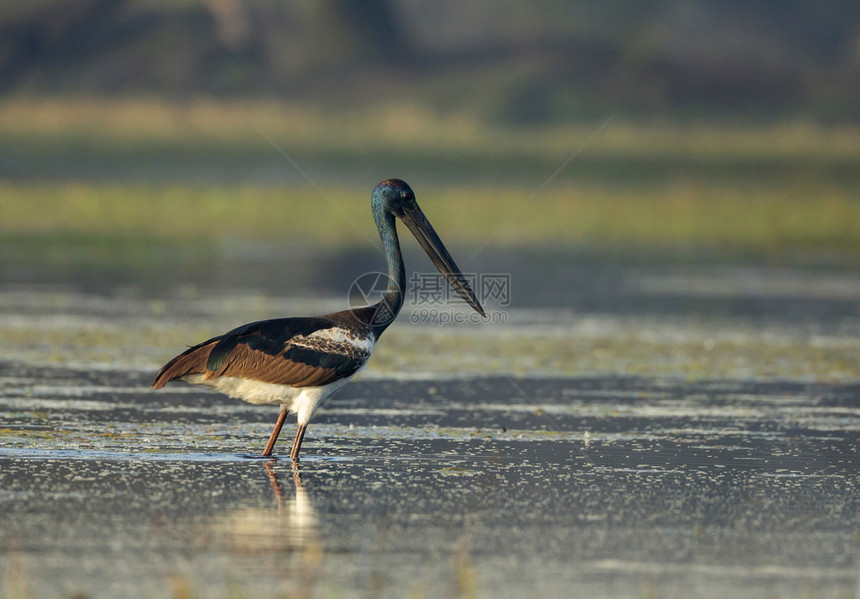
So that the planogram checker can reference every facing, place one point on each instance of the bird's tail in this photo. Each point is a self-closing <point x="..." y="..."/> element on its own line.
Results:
<point x="191" y="361"/>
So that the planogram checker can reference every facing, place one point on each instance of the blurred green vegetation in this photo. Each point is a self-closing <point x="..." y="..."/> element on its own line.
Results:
<point x="748" y="219"/>
<point x="128" y="123"/>
<point x="746" y="188"/>
<point x="133" y="128"/>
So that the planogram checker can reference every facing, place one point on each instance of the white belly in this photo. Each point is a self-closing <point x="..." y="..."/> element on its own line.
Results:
<point x="303" y="401"/>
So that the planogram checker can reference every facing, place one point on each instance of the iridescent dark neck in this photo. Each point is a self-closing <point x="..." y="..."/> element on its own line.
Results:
<point x="392" y="298"/>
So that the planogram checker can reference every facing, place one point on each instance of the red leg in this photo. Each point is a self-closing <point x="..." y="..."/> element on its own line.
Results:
<point x="297" y="443"/>
<point x="271" y="444"/>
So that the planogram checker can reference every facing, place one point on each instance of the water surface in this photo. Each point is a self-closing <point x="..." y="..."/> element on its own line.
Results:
<point x="635" y="428"/>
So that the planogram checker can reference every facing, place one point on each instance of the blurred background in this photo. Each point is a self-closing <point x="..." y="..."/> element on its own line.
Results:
<point x="682" y="127"/>
<point x="666" y="407"/>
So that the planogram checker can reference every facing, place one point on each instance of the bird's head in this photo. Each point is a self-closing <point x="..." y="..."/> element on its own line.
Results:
<point x="394" y="197"/>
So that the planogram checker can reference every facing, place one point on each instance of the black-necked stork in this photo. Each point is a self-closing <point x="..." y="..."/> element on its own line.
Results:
<point x="299" y="362"/>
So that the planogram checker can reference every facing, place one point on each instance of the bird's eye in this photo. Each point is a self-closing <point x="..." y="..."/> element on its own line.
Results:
<point x="406" y="196"/>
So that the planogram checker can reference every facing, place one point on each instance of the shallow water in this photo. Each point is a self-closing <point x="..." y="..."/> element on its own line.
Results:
<point x="640" y="429"/>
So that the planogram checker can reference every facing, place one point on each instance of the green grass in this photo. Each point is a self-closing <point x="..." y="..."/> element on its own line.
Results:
<point x="692" y="213"/>
<point x="741" y="187"/>
<point x="203" y="125"/>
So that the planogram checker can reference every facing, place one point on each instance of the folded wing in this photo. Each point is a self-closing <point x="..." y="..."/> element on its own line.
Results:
<point x="299" y="352"/>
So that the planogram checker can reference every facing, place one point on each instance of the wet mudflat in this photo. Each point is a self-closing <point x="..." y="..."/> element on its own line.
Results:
<point x="634" y="431"/>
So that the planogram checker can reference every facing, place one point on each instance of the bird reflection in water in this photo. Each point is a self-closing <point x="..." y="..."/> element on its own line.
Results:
<point x="298" y="513"/>
<point x="284" y="541"/>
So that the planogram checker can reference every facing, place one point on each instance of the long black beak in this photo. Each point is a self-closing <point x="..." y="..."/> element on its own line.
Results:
<point x="425" y="234"/>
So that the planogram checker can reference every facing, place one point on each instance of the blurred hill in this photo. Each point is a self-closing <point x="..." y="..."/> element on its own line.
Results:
<point x="509" y="62"/>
